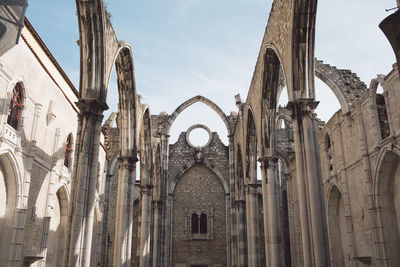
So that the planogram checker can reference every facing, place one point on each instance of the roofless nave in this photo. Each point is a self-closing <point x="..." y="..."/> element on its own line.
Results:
<point x="329" y="193"/>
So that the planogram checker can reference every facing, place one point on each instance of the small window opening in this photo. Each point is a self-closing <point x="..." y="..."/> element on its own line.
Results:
<point x="203" y="223"/>
<point x="195" y="223"/>
<point x="382" y="116"/>
<point x="329" y="151"/>
<point x="68" y="151"/>
<point x="14" y="112"/>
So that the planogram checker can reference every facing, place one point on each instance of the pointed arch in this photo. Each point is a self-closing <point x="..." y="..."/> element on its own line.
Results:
<point x="12" y="179"/>
<point x="386" y="185"/>
<point x="337" y="230"/>
<point x="127" y="99"/>
<point x="379" y="108"/>
<point x="251" y="149"/>
<point x="239" y="174"/>
<point x="324" y="77"/>
<point x="185" y="167"/>
<point x="190" y="102"/>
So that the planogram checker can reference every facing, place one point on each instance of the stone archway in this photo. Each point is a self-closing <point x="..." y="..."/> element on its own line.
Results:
<point x="337" y="229"/>
<point x="99" y="50"/>
<point x="9" y="209"/>
<point x="190" y="102"/>
<point x="387" y="190"/>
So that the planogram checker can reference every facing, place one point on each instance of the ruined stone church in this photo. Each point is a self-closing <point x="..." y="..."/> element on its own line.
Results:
<point x="70" y="193"/>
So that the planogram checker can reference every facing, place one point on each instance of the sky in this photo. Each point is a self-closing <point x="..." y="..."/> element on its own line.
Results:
<point x="183" y="48"/>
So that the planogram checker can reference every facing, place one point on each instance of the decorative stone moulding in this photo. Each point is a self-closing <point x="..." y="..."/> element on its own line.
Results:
<point x="195" y="126"/>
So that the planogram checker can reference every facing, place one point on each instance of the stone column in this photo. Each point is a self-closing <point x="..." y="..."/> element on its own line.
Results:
<point x="123" y="222"/>
<point x="231" y="252"/>
<point x="49" y="204"/>
<point x="85" y="176"/>
<point x="241" y="230"/>
<point x="252" y="225"/>
<point x="165" y="230"/>
<point x="269" y="166"/>
<point x="156" y="233"/>
<point x="144" y="249"/>
<point x="308" y="168"/>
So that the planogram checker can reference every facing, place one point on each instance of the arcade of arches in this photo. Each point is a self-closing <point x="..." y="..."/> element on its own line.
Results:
<point x="87" y="193"/>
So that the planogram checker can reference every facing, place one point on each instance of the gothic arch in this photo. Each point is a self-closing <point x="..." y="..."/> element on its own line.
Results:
<point x="57" y="240"/>
<point x="188" y="165"/>
<point x="239" y="174"/>
<point x="251" y="148"/>
<point x="380" y="80"/>
<point x="145" y="149"/>
<point x="190" y="102"/>
<point x="11" y="176"/>
<point x="21" y="81"/>
<point x="386" y="185"/>
<point x="273" y="75"/>
<point x="128" y="99"/>
<point x="324" y="77"/>
<point x="303" y="38"/>
<point x="98" y="47"/>
<point x="337" y="228"/>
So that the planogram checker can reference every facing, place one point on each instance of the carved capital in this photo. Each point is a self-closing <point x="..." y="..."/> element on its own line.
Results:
<point x="146" y="190"/>
<point x="91" y="107"/>
<point x="128" y="162"/>
<point x="240" y="203"/>
<point x="302" y="107"/>
<point x="157" y="205"/>
<point x="268" y="162"/>
<point x="251" y="189"/>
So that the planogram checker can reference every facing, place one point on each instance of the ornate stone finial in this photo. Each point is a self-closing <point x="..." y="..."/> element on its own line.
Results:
<point x="198" y="155"/>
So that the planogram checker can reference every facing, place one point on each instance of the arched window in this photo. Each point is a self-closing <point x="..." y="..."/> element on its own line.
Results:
<point x="382" y="116"/>
<point x="203" y="224"/>
<point x="195" y="223"/>
<point x="68" y="151"/>
<point x="14" y="112"/>
<point x="329" y="151"/>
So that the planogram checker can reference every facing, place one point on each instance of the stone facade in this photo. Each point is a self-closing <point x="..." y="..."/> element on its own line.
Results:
<point x="85" y="194"/>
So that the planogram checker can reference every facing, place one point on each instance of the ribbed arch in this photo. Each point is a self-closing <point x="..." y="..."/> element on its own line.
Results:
<point x="190" y="102"/>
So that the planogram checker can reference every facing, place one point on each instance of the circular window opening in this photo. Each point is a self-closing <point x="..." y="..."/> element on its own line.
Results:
<point x="198" y="136"/>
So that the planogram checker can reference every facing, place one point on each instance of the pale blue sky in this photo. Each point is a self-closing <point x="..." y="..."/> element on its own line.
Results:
<point x="183" y="48"/>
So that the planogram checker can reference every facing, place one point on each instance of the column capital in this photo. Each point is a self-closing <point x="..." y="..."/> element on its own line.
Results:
<point x="303" y="106"/>
<point x="251" y="188"/>
<point x="128" y="162"/>
<point x="268" y="161"/>
<point x="91" y="106"/>
<point x="240" y="203"/>
<point x="146" y="190"/>
<point x="157" y="204"/>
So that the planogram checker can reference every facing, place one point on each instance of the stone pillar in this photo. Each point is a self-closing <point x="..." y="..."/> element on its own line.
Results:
<point x="308" y="169"/>
<point x="270" y="182"/>
<point x="49" y="204"/>
<point x="165" y="230"/>
<point x="241" y="230"/>
<point x="145" y="223"/>
<point x="252" y="225"/>
<point x="156" y="233"/>
<point x="124" y="218"/>
<point x="231" y="253"/>
<point x="85" y="176"/>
